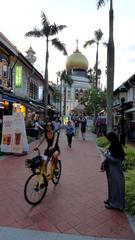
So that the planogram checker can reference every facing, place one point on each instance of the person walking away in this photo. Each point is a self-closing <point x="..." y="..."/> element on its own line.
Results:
<point x="37" y="128"/>
<point x="76" y="124"/>
<point x="69" y="130"/>
<point x="83" y="122"/>
<point x="114" y="172"/>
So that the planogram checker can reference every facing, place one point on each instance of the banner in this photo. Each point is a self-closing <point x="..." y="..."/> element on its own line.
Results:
<point x="14" y="138"/>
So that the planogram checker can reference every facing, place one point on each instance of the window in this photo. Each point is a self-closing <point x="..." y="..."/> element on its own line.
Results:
<point x="5" y="71"/>
<point x="69" y="94"/>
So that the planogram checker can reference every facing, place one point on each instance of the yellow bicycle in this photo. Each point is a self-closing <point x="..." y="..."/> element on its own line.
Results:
<point x="36" y="185"/>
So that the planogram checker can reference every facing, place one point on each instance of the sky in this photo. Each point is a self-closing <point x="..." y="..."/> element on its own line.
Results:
<point x="82" y="19"/>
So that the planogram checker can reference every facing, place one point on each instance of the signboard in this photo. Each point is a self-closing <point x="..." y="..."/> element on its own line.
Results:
<point x="18" y="77"/>
<point x="14" y="138"/>
<point x="7" y="137"/>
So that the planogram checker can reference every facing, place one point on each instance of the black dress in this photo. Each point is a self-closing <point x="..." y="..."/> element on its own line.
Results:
<point x="83" y="125"/>
<point x="115" y="177"/>
<point x="48" y="152"/>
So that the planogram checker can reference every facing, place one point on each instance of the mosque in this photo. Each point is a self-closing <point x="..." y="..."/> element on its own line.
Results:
<point x="77" y="66"/>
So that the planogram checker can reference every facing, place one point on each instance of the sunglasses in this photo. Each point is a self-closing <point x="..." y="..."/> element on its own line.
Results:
<point x="49" y="125"/>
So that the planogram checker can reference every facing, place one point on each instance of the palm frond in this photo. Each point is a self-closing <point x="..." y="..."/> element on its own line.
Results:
<point x="53" y="29"/>
<point x="60" y="46"/>
<point x="44" y="21"/>
<point x="100" y="3"/>
<point x="105" y="44"/>
<point x="61" y="27"/>
<point x="89" y="42"/>
<point x="66" y="78"/>
<point x="35" y="33"/>
<point x="98" y="35"/>
<point x="46" y="31"/>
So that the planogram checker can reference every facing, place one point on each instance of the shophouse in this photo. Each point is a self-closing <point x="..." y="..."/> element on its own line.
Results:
<point x="125" y="92"/>
<point x="21" y="85"/>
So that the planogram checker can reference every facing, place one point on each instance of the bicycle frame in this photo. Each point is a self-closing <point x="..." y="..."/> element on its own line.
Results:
<point x="36" y="185"/>
<point x="43" y="170"/>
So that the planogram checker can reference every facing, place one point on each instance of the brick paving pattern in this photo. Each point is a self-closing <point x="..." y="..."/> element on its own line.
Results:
<point x="74" y="206"/>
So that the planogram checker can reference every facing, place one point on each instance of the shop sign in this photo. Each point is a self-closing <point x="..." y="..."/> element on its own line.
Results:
<point x="18" y="77"/>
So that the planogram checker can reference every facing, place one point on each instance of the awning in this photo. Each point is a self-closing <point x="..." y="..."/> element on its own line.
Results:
<point x="31" y="107"/>
<point x="10" y="99"/>
<point x="130" y="110"/>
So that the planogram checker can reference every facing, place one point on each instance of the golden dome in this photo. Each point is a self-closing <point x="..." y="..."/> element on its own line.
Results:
<point x="77" y="61"/>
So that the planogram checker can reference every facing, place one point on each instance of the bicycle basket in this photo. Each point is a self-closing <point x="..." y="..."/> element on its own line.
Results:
<point x="34" y="163"/>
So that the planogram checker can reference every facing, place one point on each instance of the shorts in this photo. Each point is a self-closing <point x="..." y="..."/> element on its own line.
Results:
<point x="49" y="153"/>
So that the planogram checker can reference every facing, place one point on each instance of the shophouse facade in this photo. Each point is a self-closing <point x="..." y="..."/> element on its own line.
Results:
<point x="21" y="85"/>
<point x="126" y="91"/>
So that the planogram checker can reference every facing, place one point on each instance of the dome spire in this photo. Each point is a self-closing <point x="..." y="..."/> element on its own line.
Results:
<point x="77" y="49"/>
<point x="77" y="44"/>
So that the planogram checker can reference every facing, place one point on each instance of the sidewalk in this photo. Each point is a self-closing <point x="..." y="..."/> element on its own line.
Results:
<point x="74" y="209"/>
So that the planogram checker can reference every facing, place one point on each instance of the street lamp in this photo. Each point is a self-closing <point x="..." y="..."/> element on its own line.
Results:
<point x="122" y="134"/>
<point x="122" y="91"/>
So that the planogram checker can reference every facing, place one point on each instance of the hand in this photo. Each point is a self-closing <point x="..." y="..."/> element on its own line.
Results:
<point x="107" y="153"/>
<point x="102" y="168"/>
<point x="36" y="149"/>
<point x="50" y="148"/>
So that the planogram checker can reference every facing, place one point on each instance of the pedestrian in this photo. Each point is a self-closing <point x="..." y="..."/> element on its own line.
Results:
<point x="37" y="128"/>
<point x="57" y="125"/>
<point x="83" y="122"/>
<point x="76" y="124"/>
<point x="69" y="132"/>
<point x="114" y="172"/>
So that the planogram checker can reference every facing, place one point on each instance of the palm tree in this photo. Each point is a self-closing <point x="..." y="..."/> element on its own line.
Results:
<point x="110" y="65"/>
<point x="98" y="36"/>
<point x="67" y="80"/>
<point x="48" y="30"/>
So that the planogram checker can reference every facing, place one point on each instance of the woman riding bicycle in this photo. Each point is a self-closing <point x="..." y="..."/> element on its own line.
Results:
<point x="52" y="139"/>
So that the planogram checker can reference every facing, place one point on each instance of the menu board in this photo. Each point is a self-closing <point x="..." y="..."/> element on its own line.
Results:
<point x="14" y="138"/>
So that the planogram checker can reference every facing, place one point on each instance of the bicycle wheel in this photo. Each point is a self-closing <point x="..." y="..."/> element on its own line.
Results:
<point x="57" y="173"/>
<point x="35" y="188"/>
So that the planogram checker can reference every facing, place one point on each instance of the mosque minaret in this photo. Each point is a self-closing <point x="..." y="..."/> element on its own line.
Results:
<point x="77" y="66"/>
<point x="31" y="55"/>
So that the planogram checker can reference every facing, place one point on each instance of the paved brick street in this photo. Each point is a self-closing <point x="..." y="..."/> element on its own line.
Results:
<point x="74" y="207"/>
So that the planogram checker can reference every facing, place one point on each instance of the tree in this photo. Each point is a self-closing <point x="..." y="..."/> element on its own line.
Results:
<point x="67" y="80"/>
<point x="110" y="65"/>
<point x="98" y="36"/>
<point x="91" y="74"/>
<point x="48" y="30"/>
<point x="94" y="100"/>
<point x="56" y="92"/>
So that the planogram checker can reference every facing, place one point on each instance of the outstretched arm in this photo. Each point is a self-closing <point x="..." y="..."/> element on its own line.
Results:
<point x="41" y="141"/>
